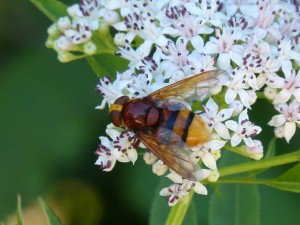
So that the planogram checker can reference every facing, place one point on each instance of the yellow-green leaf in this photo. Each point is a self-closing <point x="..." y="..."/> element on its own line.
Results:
<point x="19" y="211"/>
<point x="53" y="9"/>
<point x="51" y="218"/>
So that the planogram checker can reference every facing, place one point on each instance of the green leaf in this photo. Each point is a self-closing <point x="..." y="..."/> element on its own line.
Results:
<point x="234" y="205"/>
<point x="107" y="64"/>
<point x="51" y="218"/>
<point x="191" y="217"/>
<point x="53" y="9"/>
<point x="179" y="211"/>
<point x="288" y="181"/>
<point x="271" y="151"/>
<point x="159" y="210"/>
<point x="161" y="213"/>
<point x="19" y="211"/>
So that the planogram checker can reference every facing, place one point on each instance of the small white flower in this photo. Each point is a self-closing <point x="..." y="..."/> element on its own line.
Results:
<point x="251" y="66"/>
<point x="266" y="15"/>
<point x="269" y="67"/>
<point x="214" y="119"/>
<point x="237" y="107"/>
<point x="238" y="25"/>
<point x="176" y="58"/>
<point x="288" y="119"/>
<point x="256" y="151"/>
<point x="225" y="47"/>
<point x="90" y="10"/>
<point x="287" y="53"/>
<point x="206" y="151"/>
<point x="81" y="32"/>
<point x="290" y="86"/>
<point x="182" y="187"/>
<point x="108" y="155"/>
<point x="237" y="86"/>
<point x="243" y="130"/>
<point x="178" y="21"/>
<point x="141" y="24"/>
<point x="209" y="12"/>
<point x="109" y="91"/>
<point x="174" y="192"/>
<point x="134" y="55"/>
<point x="150" y="158"/>
<point x="247" y="7"/>
<point x="187" y="185"/>
<point x="201" y="62"/>
<point x="140" y="85"/>
<point x="124" y="142"/>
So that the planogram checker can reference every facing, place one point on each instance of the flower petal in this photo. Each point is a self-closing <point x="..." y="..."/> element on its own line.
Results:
<point x="132" y="155"/>
<point x="211" y="48"/>
<point x="215" y="144"/>
<point x="230" y="96"/>
<point x="235" y="140"/>
<point x="277" y="120"/>
<point x="222" y="130"/>
<point x="282" y="97"/>
<point x="289" y="130"/>
<point x="225" y="114"/>
<point x="209" y="161"/>
<point x="232" y="125"/>
<point x="223" y="61"/>
<point x="200" y="188"/>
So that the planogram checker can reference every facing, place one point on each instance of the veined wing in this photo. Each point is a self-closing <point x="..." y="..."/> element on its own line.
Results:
<point x="186" y="90"/>
<point x="173" y="152"/>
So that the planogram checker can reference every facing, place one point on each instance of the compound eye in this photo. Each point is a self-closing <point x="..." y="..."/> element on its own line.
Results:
<point x="122" y="100"/>
<point x="115" y="110"/>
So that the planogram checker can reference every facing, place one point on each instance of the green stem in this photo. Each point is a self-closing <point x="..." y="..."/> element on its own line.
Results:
<point x="178" y="211"/>
<point x="248" y="181"/>
<point x="262" y="164"/>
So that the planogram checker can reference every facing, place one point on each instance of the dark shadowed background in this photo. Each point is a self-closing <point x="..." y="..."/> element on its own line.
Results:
<point x="49" y="130"/>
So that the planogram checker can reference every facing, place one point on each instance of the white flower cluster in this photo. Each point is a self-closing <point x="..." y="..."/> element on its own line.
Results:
<point x="257" y="42"/>
<point x="71" y="36"/>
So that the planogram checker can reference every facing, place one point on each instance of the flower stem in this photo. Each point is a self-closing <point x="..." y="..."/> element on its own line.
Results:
<point x="178" y="211"/>
<point x="262" y="164"/>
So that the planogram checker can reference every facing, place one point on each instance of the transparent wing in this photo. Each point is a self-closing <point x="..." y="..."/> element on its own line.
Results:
<point x="187" y="90"/>
<point x="169" y="148"/>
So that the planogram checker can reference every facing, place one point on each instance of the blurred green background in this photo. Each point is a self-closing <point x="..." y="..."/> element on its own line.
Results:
<point x="49" y="131"/>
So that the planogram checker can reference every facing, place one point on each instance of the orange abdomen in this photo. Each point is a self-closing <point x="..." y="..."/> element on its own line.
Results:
<point x="187" y="125"/>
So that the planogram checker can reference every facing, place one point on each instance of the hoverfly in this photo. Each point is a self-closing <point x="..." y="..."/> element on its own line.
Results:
<point x="165" y="125"/>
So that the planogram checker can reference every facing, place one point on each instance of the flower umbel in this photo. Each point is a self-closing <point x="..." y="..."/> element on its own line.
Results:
<point x="255" y="43"/>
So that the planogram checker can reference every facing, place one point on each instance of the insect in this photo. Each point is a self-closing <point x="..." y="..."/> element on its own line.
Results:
<point x="165" y="125"/>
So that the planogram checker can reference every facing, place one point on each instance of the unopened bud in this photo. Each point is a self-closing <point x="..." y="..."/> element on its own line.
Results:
<point x="159" y="168"/>
<point x="89" y="48"/>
